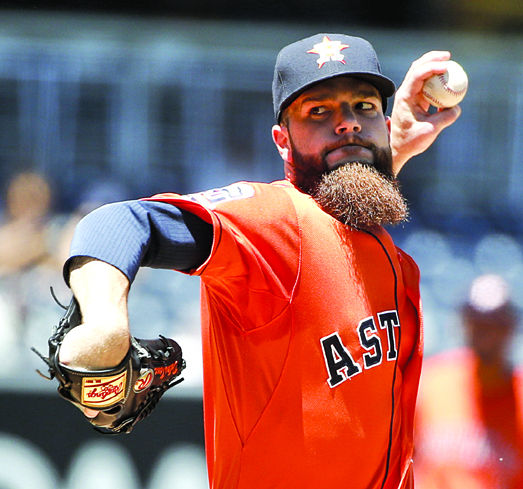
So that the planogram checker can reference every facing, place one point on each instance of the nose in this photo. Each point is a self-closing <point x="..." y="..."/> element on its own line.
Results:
<point x="347" y="123"/>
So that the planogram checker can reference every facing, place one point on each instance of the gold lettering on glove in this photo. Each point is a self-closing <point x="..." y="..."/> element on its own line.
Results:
<point x="102" y="392"/>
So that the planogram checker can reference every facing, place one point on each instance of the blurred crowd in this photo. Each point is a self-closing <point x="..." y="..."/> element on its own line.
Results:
<point x="32" y="245"/>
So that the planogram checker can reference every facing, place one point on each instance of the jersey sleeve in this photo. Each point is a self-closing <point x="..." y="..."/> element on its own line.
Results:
<point x="254" y="263"/>
<point x="132" y="234"/>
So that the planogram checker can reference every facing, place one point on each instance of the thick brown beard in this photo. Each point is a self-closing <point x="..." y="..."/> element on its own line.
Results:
<point x="360" y="196"/>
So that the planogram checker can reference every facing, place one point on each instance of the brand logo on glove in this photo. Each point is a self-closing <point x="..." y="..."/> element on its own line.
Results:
<point x="167" y="371"/>
<point x="144" y="381"/>
<point x="102" y="392"/>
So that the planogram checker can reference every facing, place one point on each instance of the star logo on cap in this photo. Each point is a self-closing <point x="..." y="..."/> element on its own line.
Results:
<point x="328" y="51"/>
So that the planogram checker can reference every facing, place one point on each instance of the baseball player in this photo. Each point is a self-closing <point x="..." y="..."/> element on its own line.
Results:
<point x="469" y="418"/>
<point x="311" y="319"/>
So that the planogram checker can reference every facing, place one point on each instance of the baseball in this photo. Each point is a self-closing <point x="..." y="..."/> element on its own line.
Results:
<point x="446" y="89"/>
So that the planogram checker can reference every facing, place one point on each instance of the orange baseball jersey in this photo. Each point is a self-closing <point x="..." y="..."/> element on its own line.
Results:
<point x="469" y="435"/>
<point x="312" y="344"/>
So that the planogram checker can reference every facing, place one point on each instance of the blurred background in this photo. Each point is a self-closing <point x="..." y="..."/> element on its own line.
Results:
<point x="103" y="103"/>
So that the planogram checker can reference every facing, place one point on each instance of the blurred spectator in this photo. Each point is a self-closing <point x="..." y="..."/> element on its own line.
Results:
<point x="22" y="234"/>
<point x="22" y="247"/>
<point x="469" y="425"/>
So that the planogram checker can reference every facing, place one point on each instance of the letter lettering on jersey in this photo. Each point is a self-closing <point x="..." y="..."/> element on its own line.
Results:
<point x="370" y="340"/>
<point x="390" y="320"/>
<point x="338" y="360"/>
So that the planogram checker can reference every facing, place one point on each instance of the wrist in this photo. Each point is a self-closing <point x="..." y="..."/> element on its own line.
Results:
<point x="91" y="346"/>
<point x="398" y="160"/>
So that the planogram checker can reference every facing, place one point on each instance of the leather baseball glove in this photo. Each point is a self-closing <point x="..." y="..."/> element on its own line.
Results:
<point x="124" y="394"/>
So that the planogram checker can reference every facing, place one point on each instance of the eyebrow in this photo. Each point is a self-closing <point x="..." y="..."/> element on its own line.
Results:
<point x="368" y="93"/>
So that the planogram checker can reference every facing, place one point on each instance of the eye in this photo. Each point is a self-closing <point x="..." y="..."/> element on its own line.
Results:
<point x="366" y="106"/>
<point x="318" y="110"/>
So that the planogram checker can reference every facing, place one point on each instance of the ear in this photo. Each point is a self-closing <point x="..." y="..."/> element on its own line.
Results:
<point x="280" y="136"/>
<point x="388" y="123"/>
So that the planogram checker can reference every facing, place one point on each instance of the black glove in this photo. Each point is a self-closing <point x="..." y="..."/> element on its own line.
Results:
<point x="124" y="394"/>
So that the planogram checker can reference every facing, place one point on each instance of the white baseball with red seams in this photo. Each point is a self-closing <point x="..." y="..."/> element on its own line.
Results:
<point x="446" y="89"/>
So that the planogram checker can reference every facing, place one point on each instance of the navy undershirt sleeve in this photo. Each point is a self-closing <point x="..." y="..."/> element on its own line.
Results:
<point x="138" y="233"/>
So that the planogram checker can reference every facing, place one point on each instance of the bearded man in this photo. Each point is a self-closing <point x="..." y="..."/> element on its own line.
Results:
<point x="311" y="323"/>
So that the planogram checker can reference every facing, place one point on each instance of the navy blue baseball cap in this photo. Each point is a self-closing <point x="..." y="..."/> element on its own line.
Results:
<point x="320" y="57"/>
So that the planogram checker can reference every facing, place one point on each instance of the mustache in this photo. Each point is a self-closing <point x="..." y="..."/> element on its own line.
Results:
<point x="349" y="140"/>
